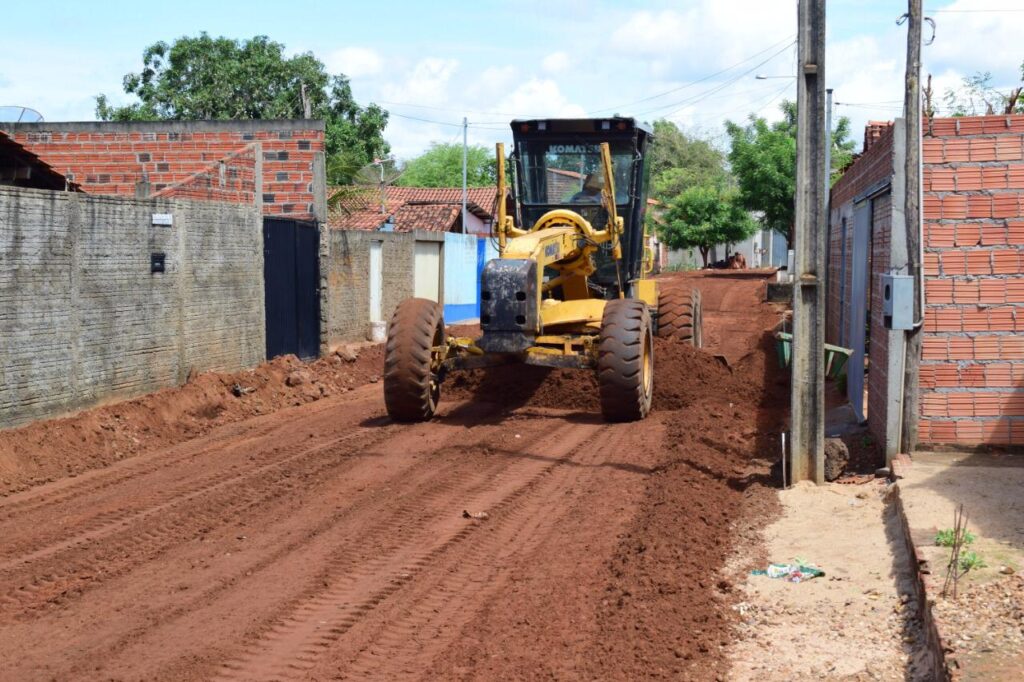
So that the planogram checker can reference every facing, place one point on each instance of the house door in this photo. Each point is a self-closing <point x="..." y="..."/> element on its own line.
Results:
<point x="291" y="281"/>
<point x="376" y="282"/>
<point x="859" y="305"/>
<point x="427" y="271"/>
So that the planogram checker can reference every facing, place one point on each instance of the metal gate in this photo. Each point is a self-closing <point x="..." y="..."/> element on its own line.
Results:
<point x="291" y="281"/>
<point x="859" y="305"/>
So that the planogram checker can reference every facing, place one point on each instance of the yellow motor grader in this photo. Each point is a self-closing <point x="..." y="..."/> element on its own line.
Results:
<point x="569" y="287"/>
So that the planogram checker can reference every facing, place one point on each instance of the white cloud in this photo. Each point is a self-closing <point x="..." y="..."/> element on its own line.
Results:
<point x="354" y="62"/>
<point x="540" y="97"/>
<point x="708" y="35"/>
<point x="556" y="62"/>
<point x="971" y="41"/>
<point x="426" y="83"/>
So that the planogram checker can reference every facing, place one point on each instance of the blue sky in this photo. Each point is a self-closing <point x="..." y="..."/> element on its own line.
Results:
<point x="491" y="61"/>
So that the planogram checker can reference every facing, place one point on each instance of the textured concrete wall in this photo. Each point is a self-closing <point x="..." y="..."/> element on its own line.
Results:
<point x="82" y="318"/>
<point x="347" y="272"/>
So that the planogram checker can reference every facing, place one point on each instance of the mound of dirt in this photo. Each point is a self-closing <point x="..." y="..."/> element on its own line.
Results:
<point x="55" y="448"/>
<point x="683" y="375"/>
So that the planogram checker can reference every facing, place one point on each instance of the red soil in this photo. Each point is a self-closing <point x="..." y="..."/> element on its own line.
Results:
<point x="320" y="541"/>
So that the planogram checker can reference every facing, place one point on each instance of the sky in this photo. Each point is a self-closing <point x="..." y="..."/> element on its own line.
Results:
<point x="430" y="64"/>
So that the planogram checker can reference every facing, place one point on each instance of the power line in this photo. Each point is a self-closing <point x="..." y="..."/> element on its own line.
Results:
<point x="975" y="11"/>
<point x="788" y="40"/>
<point x="682" y="104"/>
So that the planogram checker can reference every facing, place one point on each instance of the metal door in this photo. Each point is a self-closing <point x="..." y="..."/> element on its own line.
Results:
<point x="376" y="282"/>
<point x="291" y="281"/>
<point x="858" y="306"/>
<point x="427" y="270"/>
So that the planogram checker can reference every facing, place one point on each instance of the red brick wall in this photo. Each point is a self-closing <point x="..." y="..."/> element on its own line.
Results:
<point x="868" y="170"/>
<point x="232" y="179"/>
<point x="972" y="368"/>
<point x="110" y="158"/>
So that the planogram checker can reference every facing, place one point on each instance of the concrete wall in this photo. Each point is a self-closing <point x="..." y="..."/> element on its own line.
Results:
<point x="82" y="318"/>
<point x="112" y="157"/>
<point x="346" y="275"/>
<point x="346" y="270"/>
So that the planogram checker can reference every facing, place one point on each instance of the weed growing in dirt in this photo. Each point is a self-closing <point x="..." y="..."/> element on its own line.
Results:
<point x="970" y="560"/>
<point x="946" y="537"/>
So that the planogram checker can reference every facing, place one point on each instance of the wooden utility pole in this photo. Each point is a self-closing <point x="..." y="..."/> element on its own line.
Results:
<point x="912" y="215"/>
<point x="807" y="449"/>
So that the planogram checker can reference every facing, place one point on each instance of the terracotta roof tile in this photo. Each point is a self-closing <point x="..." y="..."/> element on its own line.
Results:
<point x="363" y="212"/>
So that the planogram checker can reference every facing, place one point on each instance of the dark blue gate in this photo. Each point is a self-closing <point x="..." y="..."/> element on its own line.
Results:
<point x="291" y="278"/>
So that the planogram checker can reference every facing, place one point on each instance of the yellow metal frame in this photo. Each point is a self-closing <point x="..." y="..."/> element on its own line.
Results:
<point x="566" y="242"/>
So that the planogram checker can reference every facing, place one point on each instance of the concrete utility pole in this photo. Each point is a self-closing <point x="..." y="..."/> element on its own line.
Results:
<point x="307" y="108"/>
<point x="465" y="127"/>
<point x="807" y="449"/>
<point x="912" y="215"/>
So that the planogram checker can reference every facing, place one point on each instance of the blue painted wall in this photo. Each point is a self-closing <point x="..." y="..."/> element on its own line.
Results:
<point x="461" y="277"/>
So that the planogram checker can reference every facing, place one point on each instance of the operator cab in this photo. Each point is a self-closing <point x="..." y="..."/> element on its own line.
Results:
<point x="558" y="165"/>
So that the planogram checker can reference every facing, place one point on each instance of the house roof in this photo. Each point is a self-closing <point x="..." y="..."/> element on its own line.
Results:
<point x="421" y="208"/>
<point x="22" y="168"/>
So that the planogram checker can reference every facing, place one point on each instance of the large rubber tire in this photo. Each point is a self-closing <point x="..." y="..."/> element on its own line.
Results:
<point x="680" y="315"/>
<point x="411" y="388"/>
<point x="625" y="361"/>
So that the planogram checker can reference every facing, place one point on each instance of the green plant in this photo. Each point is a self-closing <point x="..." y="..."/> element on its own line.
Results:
<point x="946" y="537"/>
<point x="969" y="559"/>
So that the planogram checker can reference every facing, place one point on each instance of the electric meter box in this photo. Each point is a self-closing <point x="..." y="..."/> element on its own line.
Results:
<point x="898" y="301"/>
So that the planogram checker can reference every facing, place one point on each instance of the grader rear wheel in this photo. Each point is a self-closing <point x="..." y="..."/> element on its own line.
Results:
<point x="625" y="361"/>
<point x="412" y="358"/>
<point x="680" y="315"/>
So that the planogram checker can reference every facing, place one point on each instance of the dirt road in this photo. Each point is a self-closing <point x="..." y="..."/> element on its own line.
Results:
<point x="322" y="541"/>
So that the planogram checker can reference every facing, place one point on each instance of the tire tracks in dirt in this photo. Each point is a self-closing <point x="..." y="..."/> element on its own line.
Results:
<point x="294" y="645"/>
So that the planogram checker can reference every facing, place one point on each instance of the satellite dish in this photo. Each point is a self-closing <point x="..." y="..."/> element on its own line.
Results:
<point x="16" y="114"/>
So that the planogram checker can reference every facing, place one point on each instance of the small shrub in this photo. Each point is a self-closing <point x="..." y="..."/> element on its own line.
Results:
<point x="946" y="537"/>
<point x="969" y="559"/>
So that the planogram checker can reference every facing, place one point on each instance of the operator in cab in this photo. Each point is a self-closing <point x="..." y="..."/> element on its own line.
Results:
<point x="591" y="192"/>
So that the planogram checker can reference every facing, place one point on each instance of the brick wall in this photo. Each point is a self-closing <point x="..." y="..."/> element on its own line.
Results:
<point x="112" y="157"/>
<point x="872" y="167"/>
<point x="231" y="179"/>
<point x="82" y="318"/>
<point x="972" y="369"/>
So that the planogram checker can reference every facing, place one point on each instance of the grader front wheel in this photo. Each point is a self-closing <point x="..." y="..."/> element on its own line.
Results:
<point x="412" y="358"/>
<point x="625" y="361"/>
<point x="680" y="315"/>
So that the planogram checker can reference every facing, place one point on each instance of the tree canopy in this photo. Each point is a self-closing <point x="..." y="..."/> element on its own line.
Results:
<point x="441" y="166"/>
<point x="763" y="159"/>
<point x="703" y="216"/>
<point x="679" y="161"/>
<point x="202" y="77"/>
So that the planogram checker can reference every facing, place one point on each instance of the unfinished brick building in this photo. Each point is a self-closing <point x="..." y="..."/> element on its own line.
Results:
<point x="280" y="161"/>
<point x="971" y="384"/>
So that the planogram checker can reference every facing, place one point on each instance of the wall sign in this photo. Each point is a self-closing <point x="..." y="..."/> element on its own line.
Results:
<point x="163" y="219"/>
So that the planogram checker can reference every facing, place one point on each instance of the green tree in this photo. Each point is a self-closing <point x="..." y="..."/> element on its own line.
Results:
<point x="679" y="161"/>
<point x="977" y="97"/>
<point x="703" y="216"/>
<point x="763" y="159"/>
<point x="202" y="77"/>
<point x="441" y="166"/>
